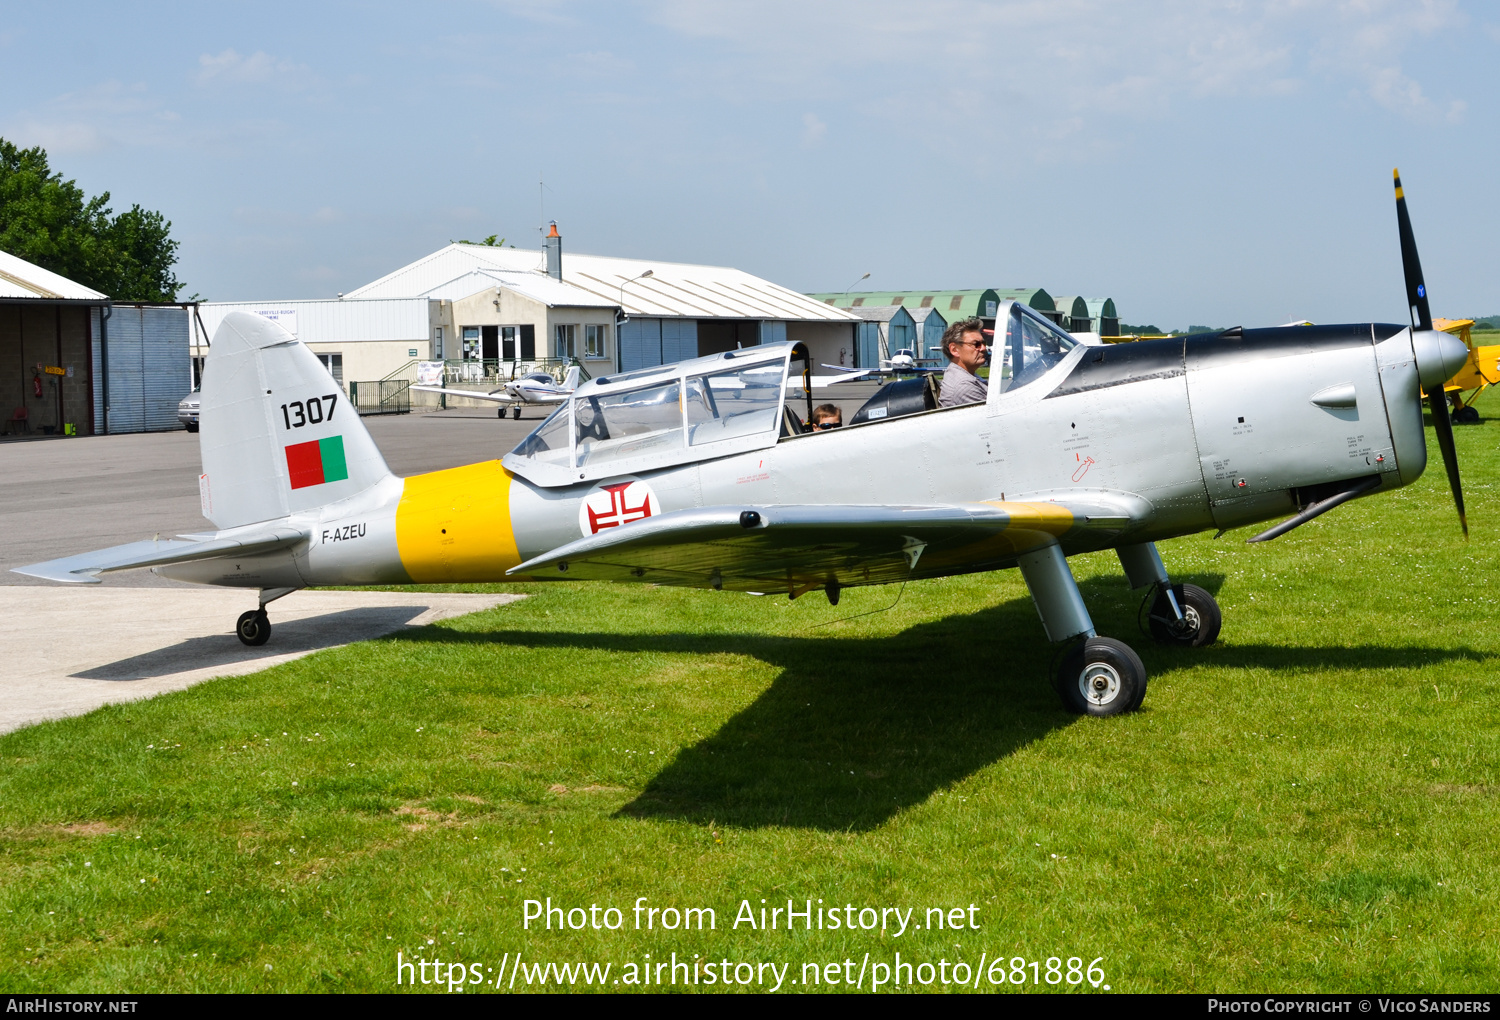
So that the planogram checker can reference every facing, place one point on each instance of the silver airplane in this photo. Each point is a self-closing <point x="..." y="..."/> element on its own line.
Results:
<point x="532" y="388"/>
<point x="700" y="474"/>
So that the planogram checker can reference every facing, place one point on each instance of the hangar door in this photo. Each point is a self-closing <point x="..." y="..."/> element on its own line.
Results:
<point x="648" y="342"/>
<point x="148" y="365"/>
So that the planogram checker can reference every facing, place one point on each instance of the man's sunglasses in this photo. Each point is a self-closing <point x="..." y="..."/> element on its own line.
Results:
<point x="973" y="343"/>
<point x="825" y="424"/>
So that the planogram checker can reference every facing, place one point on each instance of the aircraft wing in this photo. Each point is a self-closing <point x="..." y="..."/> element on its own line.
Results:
<point x="82" y="569"/>
<point x="845" y="375"/>
<point x="499" y="396"/>
<point x="794" y="548"/>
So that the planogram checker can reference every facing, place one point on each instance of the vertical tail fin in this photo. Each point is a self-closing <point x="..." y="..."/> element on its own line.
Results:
<point x="277" y="434"/>
<point x="570" y="381"/>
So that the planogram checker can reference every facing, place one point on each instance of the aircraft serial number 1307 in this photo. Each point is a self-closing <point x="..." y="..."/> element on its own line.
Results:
<point x="699" y="473"/>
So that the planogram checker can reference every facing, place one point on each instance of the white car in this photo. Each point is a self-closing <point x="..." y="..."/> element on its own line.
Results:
<point x="187" y="411"/>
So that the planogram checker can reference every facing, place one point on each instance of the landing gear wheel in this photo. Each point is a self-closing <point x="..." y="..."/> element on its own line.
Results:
<point x="1200" y="621"/>
<point x="253" y="628"/>
<point x="500" y="413"/>
<point x="515" y="412"/>
<point x="1101" y="676"/>
<point x="1466" y="416"/>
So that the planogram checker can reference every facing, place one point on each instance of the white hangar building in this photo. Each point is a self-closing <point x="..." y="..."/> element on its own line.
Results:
<point x="508" y="304"/>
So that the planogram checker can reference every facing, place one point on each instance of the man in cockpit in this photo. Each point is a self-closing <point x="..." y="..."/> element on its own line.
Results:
<point x="967" y="348"/>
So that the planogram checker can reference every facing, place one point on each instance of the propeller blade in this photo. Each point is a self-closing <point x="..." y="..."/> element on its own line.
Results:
<point x="1416" y="289"/>
<point x="1443" y="426"/>
<point x="1421" y="316"/>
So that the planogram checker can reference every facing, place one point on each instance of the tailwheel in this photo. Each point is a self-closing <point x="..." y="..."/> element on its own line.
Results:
<point x="254" y="627"/>
<point x="1200" y="619"/>
<point x="1101" y="676"/>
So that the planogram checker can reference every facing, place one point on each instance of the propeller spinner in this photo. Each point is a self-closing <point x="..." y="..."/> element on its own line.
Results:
<point x="1438" y="355"/>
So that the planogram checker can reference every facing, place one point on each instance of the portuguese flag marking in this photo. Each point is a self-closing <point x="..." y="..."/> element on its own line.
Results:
<point x="317" y="462"/>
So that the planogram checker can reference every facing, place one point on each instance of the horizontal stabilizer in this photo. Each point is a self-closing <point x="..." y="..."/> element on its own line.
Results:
<point x="499" y="396"/>
<point x="794" y="548"/>
<point x="82" y="569"/>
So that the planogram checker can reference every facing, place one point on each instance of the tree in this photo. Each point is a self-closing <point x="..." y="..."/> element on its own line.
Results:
<point x="50" y="222"/>
<point x="488" y="242"/>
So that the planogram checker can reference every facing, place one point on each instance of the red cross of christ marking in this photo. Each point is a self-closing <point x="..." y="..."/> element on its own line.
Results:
<point x="619" y="512"/>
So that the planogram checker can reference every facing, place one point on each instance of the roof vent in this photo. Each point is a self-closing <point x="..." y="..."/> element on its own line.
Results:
<point x="552" y="243"/>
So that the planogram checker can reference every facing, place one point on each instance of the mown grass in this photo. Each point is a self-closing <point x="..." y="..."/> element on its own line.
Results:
<point x="1309" y="805"/>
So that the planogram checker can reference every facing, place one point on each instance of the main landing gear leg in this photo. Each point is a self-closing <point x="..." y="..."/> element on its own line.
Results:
<point x="1098" y="675"/>
<point x="254" y="626"/>
<point x="1180" y="614"/>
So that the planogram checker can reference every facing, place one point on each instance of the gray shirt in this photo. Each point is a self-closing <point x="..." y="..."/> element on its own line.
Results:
<point x="961" y="387"/>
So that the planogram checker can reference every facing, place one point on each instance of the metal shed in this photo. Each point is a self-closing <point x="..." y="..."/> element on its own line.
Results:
<point x="1106" y="319"/>
<point x="1073" y="313"/>
<point x="930" y="326"/>
<point x="1035" y="297"/>
<point x="951" y="304"/>
<point x="47" y="374"/>
<point x="886" y="328"/>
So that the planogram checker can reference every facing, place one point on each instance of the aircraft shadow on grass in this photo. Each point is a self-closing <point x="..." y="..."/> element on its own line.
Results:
<point x="293" y="637"/>
<point x="855" y="729"/>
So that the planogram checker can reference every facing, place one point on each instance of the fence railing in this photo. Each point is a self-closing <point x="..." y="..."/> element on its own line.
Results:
<point x="383" y="396"/>
<point x="496" y="371"/>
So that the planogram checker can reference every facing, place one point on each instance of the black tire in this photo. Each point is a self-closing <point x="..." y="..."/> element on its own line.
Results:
<point x="1101" y="676"/>
<point x="253" y="628"/>
<point x="1466" y="416"/>
<point x="1201" y="618"/>
<point x="515" y="413"/>
<point x="500" y="413"/>
<point x="191" y="426"/>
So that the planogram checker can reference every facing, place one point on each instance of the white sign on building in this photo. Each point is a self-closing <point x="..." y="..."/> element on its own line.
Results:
<point x="286" y="318"/>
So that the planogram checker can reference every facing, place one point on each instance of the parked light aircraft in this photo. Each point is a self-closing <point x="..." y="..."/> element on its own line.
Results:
<point x="532" y="388"/>
<point x="699" y="474"/>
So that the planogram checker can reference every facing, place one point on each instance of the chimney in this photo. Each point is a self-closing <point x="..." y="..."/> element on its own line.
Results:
<point x="552" y="244"/>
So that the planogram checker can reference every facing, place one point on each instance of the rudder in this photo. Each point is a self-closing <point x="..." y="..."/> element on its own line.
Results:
<point x="278" y="436"/>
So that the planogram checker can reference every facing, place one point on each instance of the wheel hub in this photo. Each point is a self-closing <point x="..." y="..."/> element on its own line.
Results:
<point x="1189" y="624"/>
<point x="1099" y="683"/>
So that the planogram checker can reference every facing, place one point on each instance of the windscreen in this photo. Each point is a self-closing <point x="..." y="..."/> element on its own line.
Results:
<point x="1030" y="347"/>
<point x="549" y="443"/>
<point x="739" y="402"/>
<point x="612" y="426"/>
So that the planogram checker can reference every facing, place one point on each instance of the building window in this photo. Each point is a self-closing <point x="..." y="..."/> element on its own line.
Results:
<point x="567" y="341"/>
<point x="335" y="365"/>
<point x="596" y="341"/>
<point x="508" y="343"/>
<point x="437" y="341"/>
<point x="471" y="349"/>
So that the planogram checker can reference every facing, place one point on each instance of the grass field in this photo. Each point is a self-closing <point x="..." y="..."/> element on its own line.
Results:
<point x="1312" y="804"/>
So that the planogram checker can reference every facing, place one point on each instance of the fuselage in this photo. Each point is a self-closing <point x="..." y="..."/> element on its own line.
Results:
<point x="1209" y="431"/>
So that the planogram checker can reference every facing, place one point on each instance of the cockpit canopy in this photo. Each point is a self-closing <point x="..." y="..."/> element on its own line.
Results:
<point x="656" y="417"/>
<point x="1029" y="346"/>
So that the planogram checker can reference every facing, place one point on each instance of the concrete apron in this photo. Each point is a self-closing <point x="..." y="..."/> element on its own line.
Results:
<point x="67" y="651"/>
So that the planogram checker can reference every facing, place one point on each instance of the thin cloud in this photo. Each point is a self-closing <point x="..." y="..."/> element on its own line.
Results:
<point x="259" y="67"/>
<point x="813" y="130"/>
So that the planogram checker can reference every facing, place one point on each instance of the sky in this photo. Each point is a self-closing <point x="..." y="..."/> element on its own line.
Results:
<point x="1203" y="163"/>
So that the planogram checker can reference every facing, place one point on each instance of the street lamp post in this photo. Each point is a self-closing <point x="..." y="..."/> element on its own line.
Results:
<point x="626" y="314"/>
